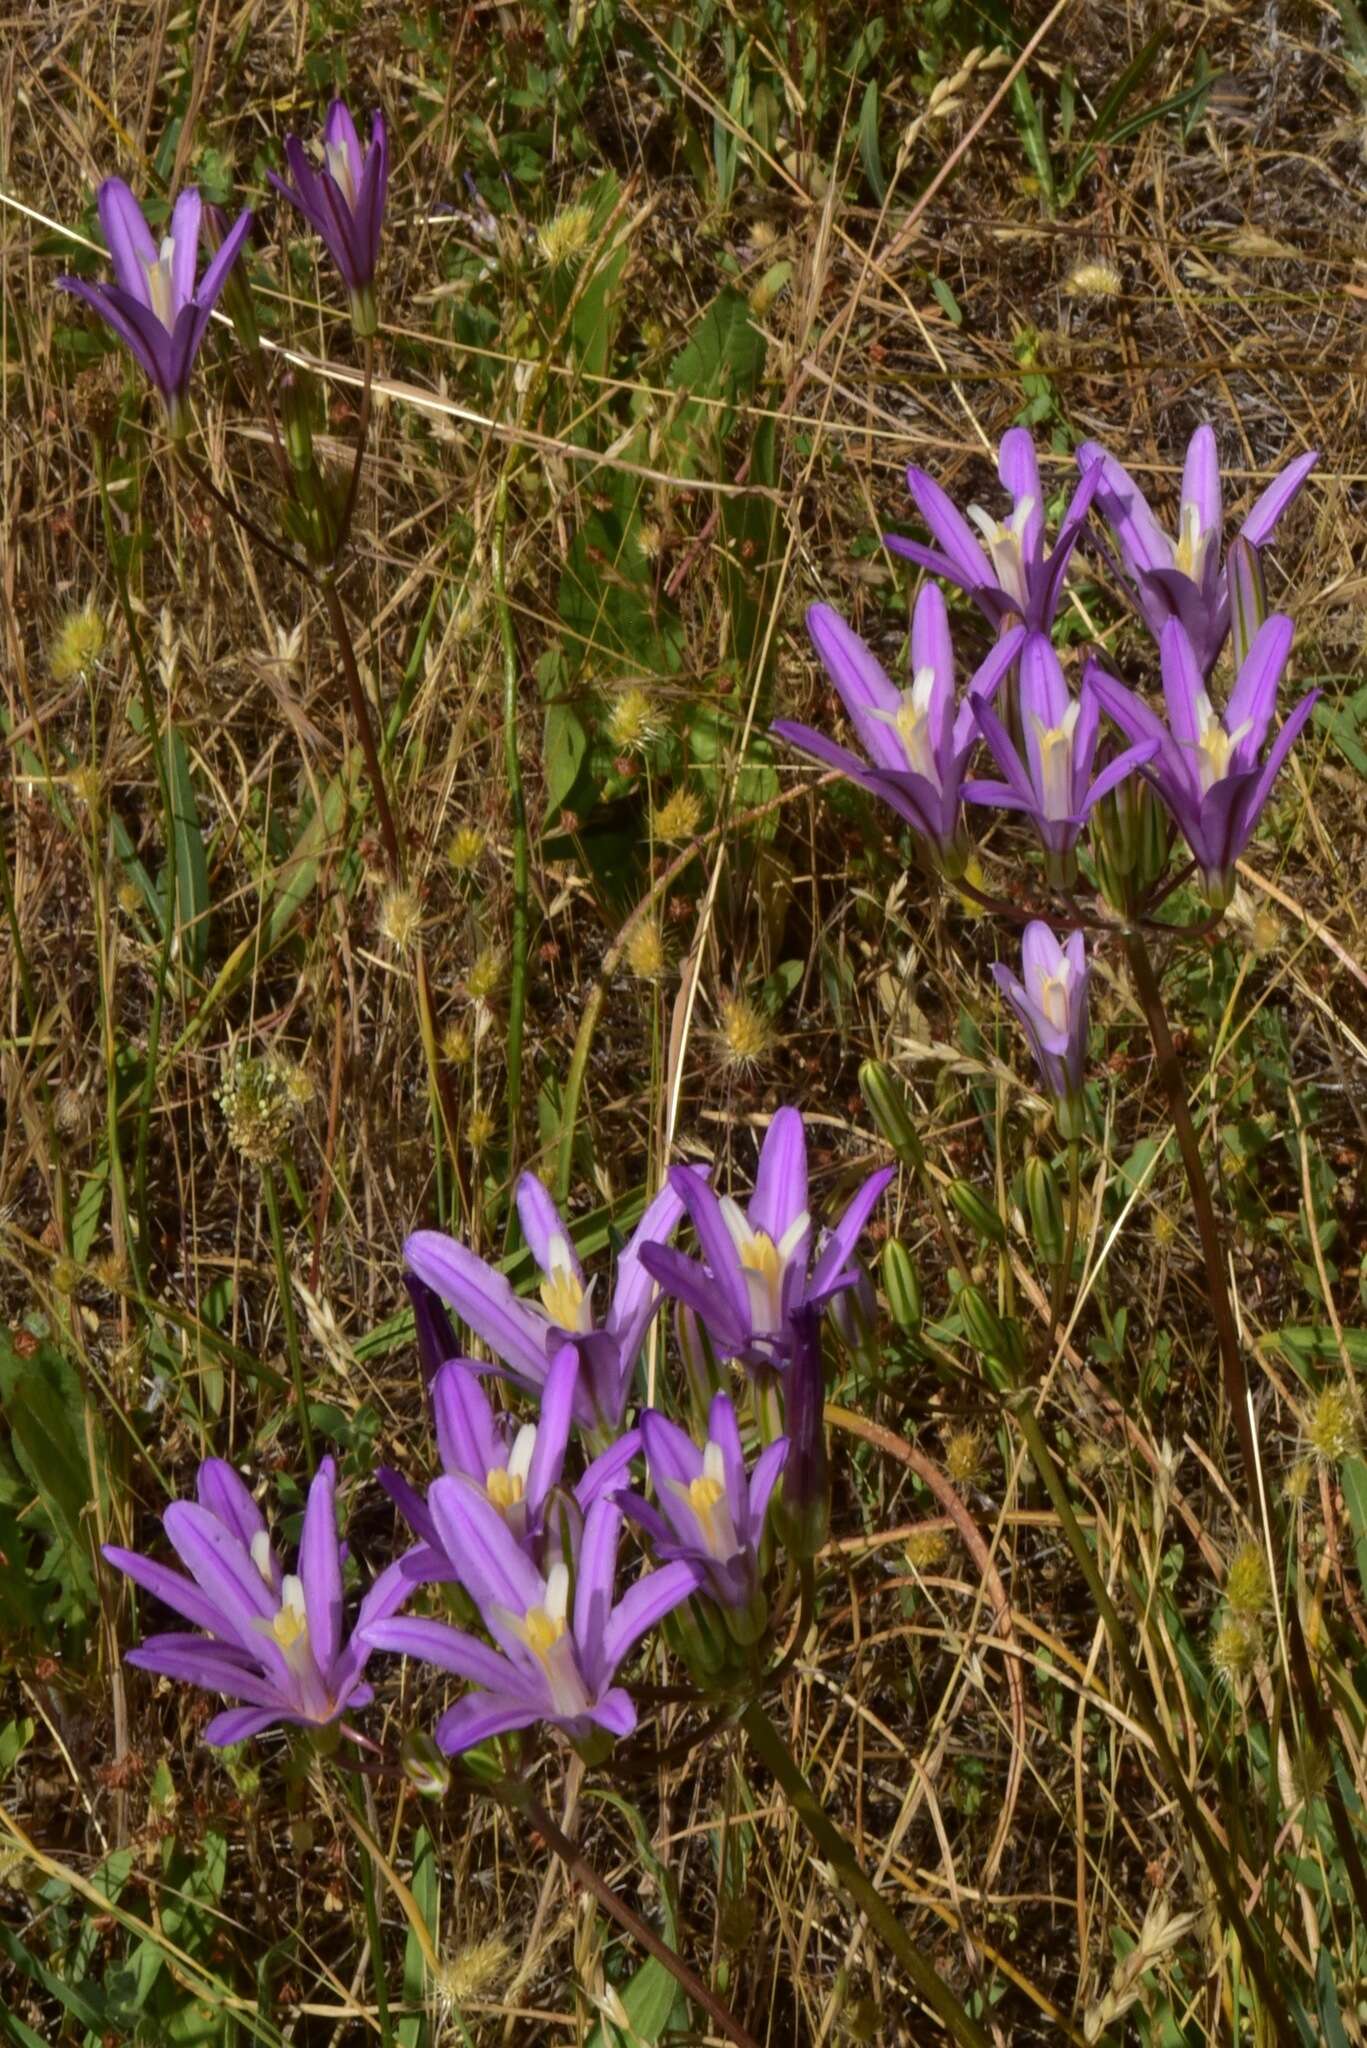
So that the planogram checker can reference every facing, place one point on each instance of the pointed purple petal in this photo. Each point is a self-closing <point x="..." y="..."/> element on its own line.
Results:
<point x="1258" y="528"/>
<point x="339" y="132"/>
<point x="223" y="1569"/>
<point x="1201" y="480"/>
<point x="482" y="1716"/>
<point x="410" y="1504"/>
<point x="544" y="1228"/>
<point x="1281" y="747"/>
<point x="780" y="1195"/>
<point x="1253" y="699"/>
<point x="239" y="1724"/>
<point x="595" y="1577"/>
<point x="952" y="531"/>
<point x="222" y="261"/>
<point x="211" y="1666"/>
<point x="1004" y="754"/>
<point x="634" y="1295"/>
<point x="483" y="1549"/>
<point x="615" y="1711"/>
<point x="132" y="245"/>
<point x="644" y="1604"/>
<point x="861" y="682"/>
<point x="320" y="1567"/>
<point x="1019" y="474"/>
<point x="1116" y="771"/>
<point x="514" y="1331"/>
<point x="553" y="1426"/>
<point x="717" y="1244"/>
<point x="140" y="331"/>
<point x="185" y="222"/>
<point x="608" y="1469"/>
<point x="671" y="1454"/>
<point x="466" y="1437"/>
<point x="845" y="1236"/>
<point x="768" y="1470"/>
<point x="449" y="1649"/>
<point x="1183" y="687"/>
<point x="222" y="1492"/>
<point x="175" y="1591"/>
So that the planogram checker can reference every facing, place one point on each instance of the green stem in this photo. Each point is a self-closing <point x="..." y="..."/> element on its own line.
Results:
<point x="356" y="1794"/>
<point x="517" y="992"/>
<point x="285" y="1284"/>
<point x="1237" y="1393"/>
<point x="775" y="1754"/>
<point x="1064" y="1271"/>
<point x="360" y="712"/>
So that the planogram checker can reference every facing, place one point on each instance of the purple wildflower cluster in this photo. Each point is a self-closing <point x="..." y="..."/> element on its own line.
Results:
<point x="524" y="1520"/>
<point x="162" y="314"/>
<point x="1212" y="772"/>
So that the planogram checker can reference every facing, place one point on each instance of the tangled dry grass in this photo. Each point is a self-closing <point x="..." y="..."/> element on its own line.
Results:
<point x="958" y="1707"/>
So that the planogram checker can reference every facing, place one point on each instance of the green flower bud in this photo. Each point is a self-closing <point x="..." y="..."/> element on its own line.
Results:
<point x="902" y="1285"/>
<point x="424" y="1766"/>
<point x="978" y="1214"/>
<point x="891" y="1112"/>
<point x="1046" y="1210"/>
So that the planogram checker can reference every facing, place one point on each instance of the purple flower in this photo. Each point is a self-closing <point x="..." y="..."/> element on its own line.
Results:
<point x="343" y="201"/>
<point x="709" y="1509"/>
<point x="155" y="306"/>
<point x="1182" y="578"/>
<point x="1017" y="577"/>
<point x="1053" y="784"/>
<point x="517" y="1468"/>
<point x="1207" y="769"/>
<point x="1051" y="1004"/>
<point x="917" y="740"/>
<point x="556" y="1658"/>
<point x="524" y="1338"/>
<point x="754" y="1270"/>
<point x="272" y="1639"/>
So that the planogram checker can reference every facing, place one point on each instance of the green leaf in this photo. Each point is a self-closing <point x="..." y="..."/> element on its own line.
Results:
<point x="85" y="1218"/>
<point x="869" y="148"/>
<point x="1353" y="1480"/>
<point x="649" y="2001"/>
<point x="44" y="1405"/>
<point x="192" y="867"/>
<point x="1030" y="122"/>
<point x="563" y="747"/>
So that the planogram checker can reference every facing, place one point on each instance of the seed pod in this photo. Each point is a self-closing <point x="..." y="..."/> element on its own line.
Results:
<point x="1046" y="1210"/>
<point x="424" y="1766"/>
<point x="890" y="1110"/>
<point x="902" y="1285"/>
<point x="977" y="1214"/>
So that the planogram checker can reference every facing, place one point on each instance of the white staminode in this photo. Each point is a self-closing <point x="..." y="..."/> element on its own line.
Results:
<point x="1005" y="540"/>
<point x="261" y="1556"/>
<point x="911" y="722"/>
<point x="1055" y="744"/>
<point x="563" y="1294"/>
<point x="160" y="284"/>
<point x="1193" y="542"/>
<point x="705" y="1496"/>
<point x="343" y="170"/>
<point x="1052" y="996"/>
<point x="1214" y="746"/>
<point x="506" y="1485"/>
<point x="545" y="1632"/>
<point x="763" y="1262"/>
<point x="289" y="1626"/>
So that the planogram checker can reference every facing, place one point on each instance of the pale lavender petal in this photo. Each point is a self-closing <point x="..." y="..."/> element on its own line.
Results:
<point x="320" y="1567"/>
<point x="836" y="1252"/>
<point x="239" y="1723"/>
<point x="724" y="1431"/>
<point x="410" y="1504"/>
<point x="467" y="1440"/>
<point x="862" y="683"/>
<point x="972" y="570"/>
<point x="1050" y="579"/>
<point x="449" y="1649"/>
<point x="211" y="1666"/>
<point x="339" y="132"/>
<point x="633" y="1298"/>
<point x="780" y="1195"/>
<point x="543" y="1226"/>
<point x="222" y="261"/>
<point x="1019" y="473"/>
<point x="1281" y="747"/>
<point x="1000" y="796"/>
<point x="889" y="790"/>
<point x="1253" y="699"/>
<point x="984" y="683"/>
<point x="482" y="1716"/>
<point x="132" y="246"/>
<point x="644" y="1604"/>
<point x="513" y="1330"/>
<point x="394" y="1585"/>
<point x="1183" y="686"/>
<point x="171" y="1588"/>
<point x="686" y="1280"/>
<point x="595" y="1574"/>
<point x="768" y="1469"/>
<point x="222" y="1492"/>
<point x="1007" y="759"/>
<point x="185" y="221"/>
<point x="1201" y="480"/>
<point x="1257" y="529"/>
<point x="671" y="1454"/>
<point x="1041" y="956"/>
<point x="1116" y="771"/>
<point x="222" y="1568"/>
<point x="615" y="1711"/>
<point x="718" y="1245"/>
<point x="605" y="1471"/>
<point x="553" y="1426"/>
<point x="1141" y="724"/>
<point x="483" y="1549"/>
<point x="1126" y="510"/>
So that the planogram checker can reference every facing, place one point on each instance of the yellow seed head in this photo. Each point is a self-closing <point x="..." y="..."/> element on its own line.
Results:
<point x="479" y="1128"/>
<point x="77" y="645"/>
<point x="565" y="237"/>
<point x="649" y="539"/>
<point x="1333" y="1429"/>
<point x="485" y="975"/>
<point x="66" y="1275"/>
<point x="456" y="1045"/>
<point x="964" y="1456"/>
<point x="258" y="1106"/>
<point x="1164" y="1229"/>
<point x="631" y="722"/>
<point x="110" y="1271"/>
<point x="1265" y="933"/>
<point x="1234" y="1649"/>
<point x="1098" y="280"/>
<point x="646" y="950"/>
<point x="465" y="849"/>
<point x="1248" y="1589"/>
<point x="400" y="918"/>
<point x="472" y="1972"/>
<point x="1299" y="1480"/>
<point x="297" y="1082"/>
<point x="677" y="819"/>
<point x="746" y="1036"/>
<point x="926" y="1549"/>
<point x="128" y="896"/>
<point x="85" y="785"/>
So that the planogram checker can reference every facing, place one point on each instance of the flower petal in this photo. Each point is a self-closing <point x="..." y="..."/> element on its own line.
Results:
<point x="480" y="1717"/>
<point x="780" y="1196"/>
<point x="483" y="1549"/>
<point x="132" y="246"/>
<point x="652" y="1597"/>
<point x="240" y="1723"/>
<point x="449" y="1649"/>
<point x="222" y="261"/>
<point x="553" y="1427"/>
<point x="514" y="1331"/>
<point x="222" y="1492"/>
<point x="544" y="1228"/>
<point x="174" y="1590"/>
<point x="467" y="1439"/>
<point x="971" y="568"/>
<point x="320" y="1567"/>
<point x="836" y="1252"/>
<point x="595" y="1578"/>
<point x="1258" y="528"/>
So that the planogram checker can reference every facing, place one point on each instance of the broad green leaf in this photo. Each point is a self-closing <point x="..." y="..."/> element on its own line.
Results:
<point x="192" y="867"/>
<point x="564" y="745"/>
<point x="869" y="148"/>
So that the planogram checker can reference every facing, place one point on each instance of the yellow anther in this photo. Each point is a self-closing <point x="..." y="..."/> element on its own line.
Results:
<point x="504" y="1488"/>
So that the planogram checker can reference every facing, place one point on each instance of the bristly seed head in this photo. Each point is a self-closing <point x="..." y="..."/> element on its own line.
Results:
<point x="925" y="1549"/>
<point x="964" y="1456"/>
<point x="1332" y="1430"/>
<point x="1234" y="1649"/>
<point x="746" y="1035"/>
<point x="480" y="1126"/>
<point x="259" y="1104"/>
<point x="677" y="819"/>
<point x="77" y="645"/>
<point x="400" y="918"/>
<point x="485" y="975"/>
<point x="646" y="950"/>
<point x="471" y="1973"/>
<point x="1248" y="1589"/>
<point x="465" y="849"/>
<point x="567" y="236"/>
<point x="1098" y="280"/>
<point x="631" y="723"/>
<point x="456" y="1045"/>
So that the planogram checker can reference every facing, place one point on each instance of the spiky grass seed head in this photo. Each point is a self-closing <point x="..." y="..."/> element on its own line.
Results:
<point x="646" y="950"/>
<point x="456" y="1045"/>
<point x="1332" y="1430"/>
<point x="566" y="237"/>
<point x="485" y="976"/>
<point x="1234" y="1649"/>
<point x="745" y="1035"/>
<point x="466" y="849"/>
<point x="259" y="1100"/>
<point x="480" y="1126"/>
<point x="1248" y="1589"/>
<point x="631" y="723"/>
<point x="77" y="645"/>
<point x="925" y="1549"/>
<point x="85" y="784"/>
<point x="964" y="1456"/>
<point x="1097" y="280"/>
<point x="400" y="918"/>
<point x="128" y="896"/>
<point x="677" y="819"/>
<point x="471" y="1973"/>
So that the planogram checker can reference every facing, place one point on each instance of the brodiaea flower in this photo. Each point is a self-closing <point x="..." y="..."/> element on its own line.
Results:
<point x="1051" y="1003"/>
<point x="754" y="1270"/>
<point x="525" y="1338"/>
<point x="273" y="1639"/>
<point x="1017" y="577"/>
<point x="1208" y="769"/>
<point x="709" y="1509"/>
<point x="557" y="1658"/>
<point x="343" y="200"/>
<point x="1182" y="578"/>
<point x="1053" y="784"/>
<point x="516" y="1466"/>
<point x="917" y="740"/>
<point x="155" y="306"/>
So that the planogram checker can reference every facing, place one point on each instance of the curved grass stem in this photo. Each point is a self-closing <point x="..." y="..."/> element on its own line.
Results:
<point x="512" y="764"/>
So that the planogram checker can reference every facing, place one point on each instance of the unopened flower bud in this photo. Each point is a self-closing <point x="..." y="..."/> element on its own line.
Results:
<point x="1046" y="1209"/>
<point x="891" y="1112"/>
<point x="902" y="1285"/>
<point x="1247" y="597"/>
<point x="424" y="1766"/>
<point x="977" y="1213"/>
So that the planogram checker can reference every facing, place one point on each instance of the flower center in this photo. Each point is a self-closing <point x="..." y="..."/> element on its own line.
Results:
<point x="912" y="720"/>
<point x="1193" y="543"/>
<point x="343" y="171"/>
<point x="1053" y="997"/>
<point x="1055" y="743"/>
<point x="504" y="1488"/>
<point x="160" y="289"/>
<point x="763" y="1262"/>
<point x="542" y="1631"/>
<point x="1006" y="547"/>
<point x="289" y="1626"/>
<point x="563" y="1294"/>
<point x="1214" y="746"/>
